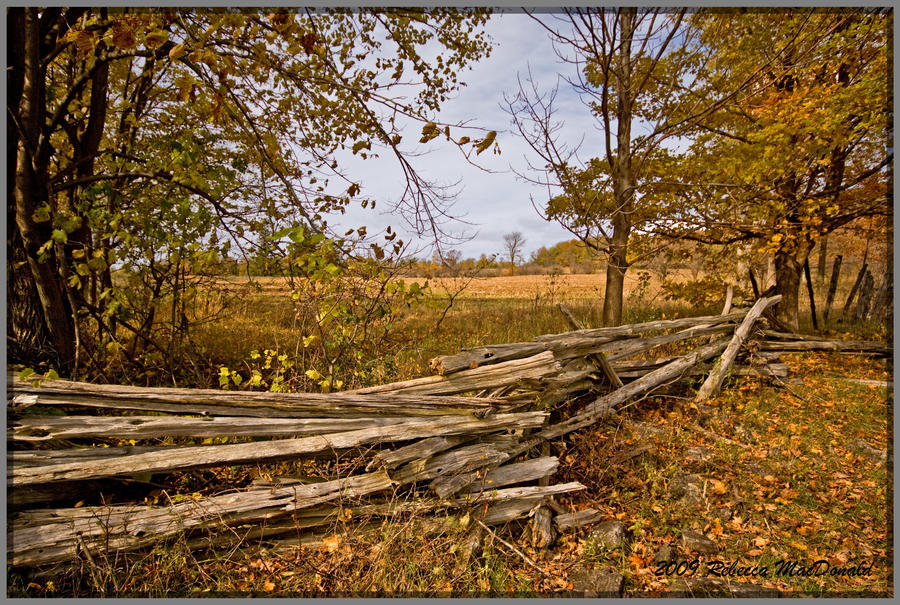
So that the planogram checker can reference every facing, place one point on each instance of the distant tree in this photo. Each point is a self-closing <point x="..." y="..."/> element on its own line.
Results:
<point x="513" y="243"/>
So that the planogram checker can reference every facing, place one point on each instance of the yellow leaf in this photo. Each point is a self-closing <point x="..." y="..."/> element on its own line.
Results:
<point x="84" y="41"/>
<point x="331" y="543"/>
<point x="157" y="38"/>
<point x="177" y="51"/>
<point x="268" y="586"/>
<point x="486" y="142"/>
<point x="123" y="36"/>
<point x="759" y="541"/>
<point x="718" y="487"/>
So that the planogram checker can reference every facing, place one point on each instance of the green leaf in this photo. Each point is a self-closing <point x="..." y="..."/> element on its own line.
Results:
<point x="42" y="214"/>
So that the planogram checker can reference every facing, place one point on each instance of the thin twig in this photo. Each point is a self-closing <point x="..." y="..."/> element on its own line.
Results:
<point x="92" y="566"/>
<point x="512" y="548"/>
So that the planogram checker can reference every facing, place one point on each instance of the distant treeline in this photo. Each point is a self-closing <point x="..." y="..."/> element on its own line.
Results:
<point x="658" y="256"/>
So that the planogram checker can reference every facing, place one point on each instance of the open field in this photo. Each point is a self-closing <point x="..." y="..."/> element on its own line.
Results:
<point x="486" y="310"/>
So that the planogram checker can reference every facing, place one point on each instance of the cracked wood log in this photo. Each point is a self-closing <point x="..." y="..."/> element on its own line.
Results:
<point x="714" y="381"/>
<point x="514" y="493"/>
<point x="645" y="344"/>
<point x="632" y="329"/>
<point x="47" y="536"/>
<point x="34" y="458"/>
<point x="462" y="459"/>
<point x="604" y="406"/>
<point x="415" y="451"/>
<point x="567" y="345"/>
<point x="492" y="376"/>
<point x="243" y="403"/>
<point x="493" y="513"/>
<point x="541" y="529"/>
<point x="772" y="369"/>
<point x="38" y="537"/>
<point x="510" y="474"/>
<point x="43" y="428"/>
<point x="518" y="472"/>
<point x="729" y="296"/>
<point x="861" y="346"/>
<point x="599" y="358"/>
<point x="469" y="359"/>
<point x="759" y="369"/>
<point x="205" y="456"/>
<point x="570" y="346"/>
<point x="579" y="518"/>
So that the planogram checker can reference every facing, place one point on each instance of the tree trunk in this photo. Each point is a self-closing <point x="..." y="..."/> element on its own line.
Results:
<point x="855" y="288"/>
<point x="787" y="283"/>
<point x="832" y="286"/>
<point x="30" y="191"/>
<point x="623" y="178"/>
<point x="769" y="281"/>
<point x="812" y="296"/>
<point x="615" y="273"/>
<point x="823" y="259"/>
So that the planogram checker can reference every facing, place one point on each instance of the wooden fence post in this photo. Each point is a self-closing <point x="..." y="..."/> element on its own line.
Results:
<point x="832" y="287"/>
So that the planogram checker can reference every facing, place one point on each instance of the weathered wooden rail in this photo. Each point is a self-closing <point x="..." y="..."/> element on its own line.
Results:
<point x="469" y="434"/>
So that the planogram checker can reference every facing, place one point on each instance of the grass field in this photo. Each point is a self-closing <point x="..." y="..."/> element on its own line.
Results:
<point x="783" y="472"/>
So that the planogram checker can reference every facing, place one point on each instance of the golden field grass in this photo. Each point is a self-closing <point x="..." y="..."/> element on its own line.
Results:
<point x="564" y="285"/>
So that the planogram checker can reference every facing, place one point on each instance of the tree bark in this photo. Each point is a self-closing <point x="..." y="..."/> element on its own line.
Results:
<point x="832" y="286"/>
<point x="30" y="191"/>
<point x="812" y="296"/>
<point x="823" y="258"/>
<point x="623" y="177"/>
<point x="854" y="290"/>
<point x="615" y="273"/>
<point x="865" y="298"/>
<point x="787" y="283"/>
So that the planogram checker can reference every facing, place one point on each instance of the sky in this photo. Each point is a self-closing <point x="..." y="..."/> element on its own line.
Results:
<point x="497" y="202"/>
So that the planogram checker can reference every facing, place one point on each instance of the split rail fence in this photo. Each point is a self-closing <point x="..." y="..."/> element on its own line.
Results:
<point x="473" y="436"/>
